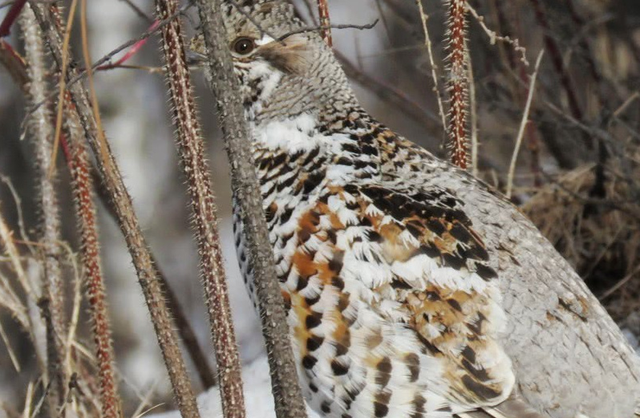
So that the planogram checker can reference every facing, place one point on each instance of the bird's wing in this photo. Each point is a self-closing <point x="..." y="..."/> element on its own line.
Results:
<point x="423" y="269"/>
<point x="442" y="279"/>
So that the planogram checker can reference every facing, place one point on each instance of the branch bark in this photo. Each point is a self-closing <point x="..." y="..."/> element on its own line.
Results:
<point x="78" y="160"/>
<point x="41" y="128"/>
<point x="128" y="222"/>
<point x="224" y="84"/>
<point x="193" y="158"/>
<point x="457" y="82"/>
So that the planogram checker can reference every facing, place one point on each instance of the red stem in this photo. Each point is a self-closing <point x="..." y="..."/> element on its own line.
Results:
<point x="325" y="22"/>
<point x="131" y="52"/>
<point x="457" y="83"/>
<point x="10" y="18"/>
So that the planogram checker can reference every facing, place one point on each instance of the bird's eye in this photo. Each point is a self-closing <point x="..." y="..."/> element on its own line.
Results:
<point x="243" y="46"/>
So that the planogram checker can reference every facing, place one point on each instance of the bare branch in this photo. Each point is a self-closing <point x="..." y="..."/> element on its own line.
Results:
<point x="224" y="84"/>
<point x="128" y="222"/>
<point x="434" y="67"/>
<point x="42" y="130"/>
<point x="523" y="125"/>
<point x="82" y="183"/>
<point x="196" y="169"/>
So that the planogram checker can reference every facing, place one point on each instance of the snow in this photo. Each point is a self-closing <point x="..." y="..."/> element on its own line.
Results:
<point x="257" y="390"/>
<point x="632" y="338"/>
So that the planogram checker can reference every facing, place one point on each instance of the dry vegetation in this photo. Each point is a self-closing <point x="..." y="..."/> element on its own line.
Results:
<point x="576" y="173"/>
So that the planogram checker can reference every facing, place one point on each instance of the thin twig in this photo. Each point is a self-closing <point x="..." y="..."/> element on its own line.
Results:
<point x="196" y="169"/>
<point x="225" y="85"/>
<point x="556" y="59"/>
<point x="432" y="62"/>
<point x="129" y="225"/>
<point x="494" y="37"/>
<point x="320" y="28"/>
<point x="131" y="52"/>
<point x="523" y="125"/>
<point x="61" y="84"/>
<point x="138" y="11"/>
<point x="619" y="284"/>
<point x="82" y="74"/>
<point x="389" y="94"/>
<point x="14" y="63"/>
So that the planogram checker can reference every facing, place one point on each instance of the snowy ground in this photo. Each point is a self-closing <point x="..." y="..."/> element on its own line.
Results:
<point x="257" y="389"/>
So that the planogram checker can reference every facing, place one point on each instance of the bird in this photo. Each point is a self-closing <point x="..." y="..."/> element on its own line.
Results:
<point x="412" y="289"/>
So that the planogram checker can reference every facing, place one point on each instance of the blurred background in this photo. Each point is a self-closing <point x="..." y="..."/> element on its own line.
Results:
<point x="577" y="174"/>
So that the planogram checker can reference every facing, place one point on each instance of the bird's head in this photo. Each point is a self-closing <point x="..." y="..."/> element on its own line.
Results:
<point x="285" y="68"/>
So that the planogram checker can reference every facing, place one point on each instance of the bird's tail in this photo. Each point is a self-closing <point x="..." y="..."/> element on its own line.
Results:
<point x="511" y="408"/>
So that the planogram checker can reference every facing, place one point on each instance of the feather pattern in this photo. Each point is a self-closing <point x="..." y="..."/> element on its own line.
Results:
<point x="413" y="290"/>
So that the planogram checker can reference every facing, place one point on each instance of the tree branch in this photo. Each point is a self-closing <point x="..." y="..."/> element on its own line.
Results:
<point x="194" y="163"/>
<point x="457" y="82"/>
<point x="128" y="222"/>
<point x="41" y="128"/>
<point x="225" y="85"/>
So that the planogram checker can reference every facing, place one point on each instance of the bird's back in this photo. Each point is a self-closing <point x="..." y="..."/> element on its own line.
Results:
<point x="569" y="357"/>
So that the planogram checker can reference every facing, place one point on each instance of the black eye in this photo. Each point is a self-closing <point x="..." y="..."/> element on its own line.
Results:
<point x="243" y="46"/>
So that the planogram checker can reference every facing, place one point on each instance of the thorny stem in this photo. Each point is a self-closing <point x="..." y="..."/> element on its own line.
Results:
<point x="86" y="214"/>
<point x="17" y="69"/>
<point x="192" y="155"/>
<point x="82" y="74"/>
<point x="457" y="82"/>
<point x="128" y="222"/>
<point x="42" y="130"/>
<point x="183" y="325"/>
<point x="325" y="22"/>
<point x="225" y="85"/>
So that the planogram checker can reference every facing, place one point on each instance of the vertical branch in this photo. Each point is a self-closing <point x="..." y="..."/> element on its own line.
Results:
<point x="225" y="85"/>
<point x="148" y="277"/>
<point x="192" y="155"/>
<point x="42" y="130"/>
<point x="434" y="67"/>
<point x="78" y="160"/>
<point x="556" y="59"/>
<point x="325" y="22"/>
<point x="457" y="85"/>
<point x="55" y="386"/>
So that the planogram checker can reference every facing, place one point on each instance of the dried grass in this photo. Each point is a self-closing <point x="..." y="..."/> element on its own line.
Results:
<point x="600" y="239"/>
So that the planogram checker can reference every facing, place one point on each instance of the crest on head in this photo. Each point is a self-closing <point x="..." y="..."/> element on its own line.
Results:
<point x="257" y="18"/>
